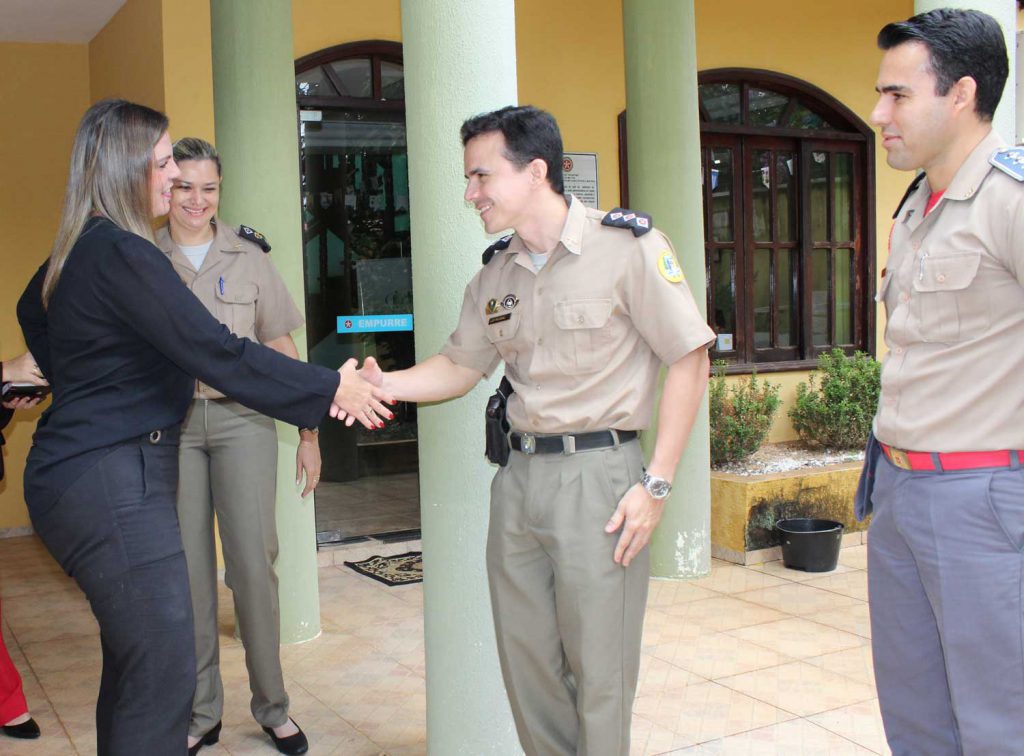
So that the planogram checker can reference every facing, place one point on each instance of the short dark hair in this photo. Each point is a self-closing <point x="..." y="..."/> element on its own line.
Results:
<point x="960" y="43"/>
<point x="529" y="132"/>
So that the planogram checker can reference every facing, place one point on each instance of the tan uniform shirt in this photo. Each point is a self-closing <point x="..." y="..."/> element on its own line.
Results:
<point x="239" y="285"/>
<point x="582" y="339"/>
<point x="954" y="297"/>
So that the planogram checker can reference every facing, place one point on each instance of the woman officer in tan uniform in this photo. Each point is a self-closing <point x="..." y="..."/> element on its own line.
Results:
<point x="228" y="458"/>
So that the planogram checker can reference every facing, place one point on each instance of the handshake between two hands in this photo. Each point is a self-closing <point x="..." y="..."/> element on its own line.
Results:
<point x="361" y="395"/>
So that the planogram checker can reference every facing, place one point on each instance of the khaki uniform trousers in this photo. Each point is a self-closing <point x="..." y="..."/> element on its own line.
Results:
<point x="568" y="618"/>
<point x="228" y="466"/>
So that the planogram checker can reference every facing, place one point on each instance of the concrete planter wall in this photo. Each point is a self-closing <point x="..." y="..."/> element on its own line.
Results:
<point x="744" y="508"/>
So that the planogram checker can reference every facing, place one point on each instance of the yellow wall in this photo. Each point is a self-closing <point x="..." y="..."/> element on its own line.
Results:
<point x="317" y="24"/>
<point x="188" y="68"/>
<point x="43" y="92"/>
<point x="126" y="58"/>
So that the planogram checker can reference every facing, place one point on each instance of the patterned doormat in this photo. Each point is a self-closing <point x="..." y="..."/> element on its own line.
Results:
<point x="401" y="569"/>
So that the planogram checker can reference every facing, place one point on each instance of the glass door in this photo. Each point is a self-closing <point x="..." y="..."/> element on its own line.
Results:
<point x="355" y="205"/>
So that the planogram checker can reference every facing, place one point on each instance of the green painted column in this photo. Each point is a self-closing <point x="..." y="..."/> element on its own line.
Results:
<point x="1005" y="12"/>
<point x="664" y="180"/>
<point x="257" y="136"/>
<point x="460" y="60"/>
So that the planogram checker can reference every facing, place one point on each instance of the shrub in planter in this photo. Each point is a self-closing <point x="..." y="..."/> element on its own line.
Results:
<point x="741" y="415"/>
<point x="838" y="413"/>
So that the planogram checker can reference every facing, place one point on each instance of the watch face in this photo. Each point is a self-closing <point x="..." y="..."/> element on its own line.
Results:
<point x="656" y="487"/>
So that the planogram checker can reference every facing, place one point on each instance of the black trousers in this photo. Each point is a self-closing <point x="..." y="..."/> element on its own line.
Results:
<point x="115" y="531"/>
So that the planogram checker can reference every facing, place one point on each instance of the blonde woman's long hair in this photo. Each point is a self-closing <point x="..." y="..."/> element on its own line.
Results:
<point x="111" y="164"/>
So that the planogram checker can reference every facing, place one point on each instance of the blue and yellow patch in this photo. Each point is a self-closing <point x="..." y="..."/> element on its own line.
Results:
<point x="669" y="267"/>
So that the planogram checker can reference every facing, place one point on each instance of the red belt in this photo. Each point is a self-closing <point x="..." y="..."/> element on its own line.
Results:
<point x="912" y="460"/>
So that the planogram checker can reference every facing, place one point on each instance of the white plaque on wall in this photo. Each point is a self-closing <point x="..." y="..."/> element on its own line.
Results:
<point x="579" y="171"/>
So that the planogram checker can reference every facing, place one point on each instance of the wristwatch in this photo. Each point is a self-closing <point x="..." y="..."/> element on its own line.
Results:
<point x="657" y="488"/>
<point x="314" y="431"/>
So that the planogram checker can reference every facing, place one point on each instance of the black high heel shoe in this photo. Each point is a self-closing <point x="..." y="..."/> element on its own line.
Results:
<point x="291" y="744"/>
<point x="210" y="738"/>
<point x="27" y="730"/>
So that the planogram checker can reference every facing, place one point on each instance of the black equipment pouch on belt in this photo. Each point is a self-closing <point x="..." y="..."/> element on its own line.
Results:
<point x="496" y="423"/>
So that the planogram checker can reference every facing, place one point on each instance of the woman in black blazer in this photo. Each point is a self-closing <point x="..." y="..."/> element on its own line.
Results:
<point x="122" y="340"/>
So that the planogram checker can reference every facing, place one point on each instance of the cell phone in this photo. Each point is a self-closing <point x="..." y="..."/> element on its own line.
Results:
<point x="16" y="390"/>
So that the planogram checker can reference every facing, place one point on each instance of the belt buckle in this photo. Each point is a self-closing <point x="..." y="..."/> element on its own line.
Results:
<point x="568" y="444"/>
<point x="899" y="458"/>
<point x="529" y="443"/>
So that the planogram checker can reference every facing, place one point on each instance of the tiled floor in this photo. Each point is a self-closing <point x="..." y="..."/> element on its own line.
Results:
<point x="750" y="660"/>
<point x="372" y="504"/>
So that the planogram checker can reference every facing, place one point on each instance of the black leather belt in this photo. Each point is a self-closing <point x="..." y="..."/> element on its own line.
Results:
<point x="568" y="443"/>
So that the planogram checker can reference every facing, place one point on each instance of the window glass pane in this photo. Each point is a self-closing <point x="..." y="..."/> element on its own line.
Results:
<point x="819" y="296"/>
<point x="720" y="176"/>
<point x="762" y="298"/>
<point x="785" y="285"/>
<point x="842" y="203"/>
<point x="786" y="193"/>
<point x="760" y="183"/>
<point x="723" y="277"/>
<point x="802" y="118"/>
<point x="392" y="81"/>
<point x="721" y="101"/>
<point x="766" y="107"/>
<point x="819" y="196"/>
<point x="844" y="296"/>
<point x="356" y="76"/>
<point x="313" y="83"/>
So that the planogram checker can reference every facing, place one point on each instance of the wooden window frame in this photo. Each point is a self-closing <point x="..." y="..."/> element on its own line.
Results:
<point x="849" y="133"/>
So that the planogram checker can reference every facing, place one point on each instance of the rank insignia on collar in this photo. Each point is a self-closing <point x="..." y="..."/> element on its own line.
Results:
<point x="638" y="223"/>
<point x="1010" y="161"/>
<point x="498" y="246"/>
<point x="255" y="237"/>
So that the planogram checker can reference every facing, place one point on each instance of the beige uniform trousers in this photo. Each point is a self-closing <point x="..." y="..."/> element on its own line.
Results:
<point x="568" y="618"/>
<point x="228" y="466"/>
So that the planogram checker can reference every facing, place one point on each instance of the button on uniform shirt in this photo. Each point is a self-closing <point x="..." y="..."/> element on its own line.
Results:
<point x="584" y="337"/>
<point x="239" y="285"/>
<point x="954" y="299"/>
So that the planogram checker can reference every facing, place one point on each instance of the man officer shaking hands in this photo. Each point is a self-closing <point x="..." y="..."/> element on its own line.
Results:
<point x="583" y="308"/>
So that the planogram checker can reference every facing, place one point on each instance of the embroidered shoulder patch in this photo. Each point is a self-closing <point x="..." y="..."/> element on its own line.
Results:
<point x="250" y="234"/>
<point x="638" y="223"/>
<point x="498" y="246"/>
<point x="1010" y="161"/>
<point x="669" y="267"/>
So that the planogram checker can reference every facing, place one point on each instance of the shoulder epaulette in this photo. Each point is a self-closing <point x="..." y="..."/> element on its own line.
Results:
<point x="250" y="234"/>
<point x="1010" y="161"/>
<point x="906" y="195"/>
<point x="638" y="223"/>
<point x="498" y="246"/>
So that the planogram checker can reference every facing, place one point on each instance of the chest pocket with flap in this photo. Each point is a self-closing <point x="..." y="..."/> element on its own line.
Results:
<point x="236" y="308"/>
<point x="950" y="305"/>
<point x="583" y="334"/>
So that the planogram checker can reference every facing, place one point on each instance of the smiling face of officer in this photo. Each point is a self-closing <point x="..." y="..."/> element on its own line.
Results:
<point x="918" y="126"/>
<point x="195" y="198"/>
<point x="501" y="191"/>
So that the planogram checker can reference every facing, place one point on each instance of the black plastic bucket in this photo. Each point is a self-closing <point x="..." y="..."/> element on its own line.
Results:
<point x="810" y="545"/>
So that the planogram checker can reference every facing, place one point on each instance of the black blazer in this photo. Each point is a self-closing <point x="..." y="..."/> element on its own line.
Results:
<point x="122" y="342"/>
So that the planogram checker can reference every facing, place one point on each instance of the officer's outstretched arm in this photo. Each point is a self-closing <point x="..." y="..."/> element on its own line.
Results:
<point x="433" y="380"/>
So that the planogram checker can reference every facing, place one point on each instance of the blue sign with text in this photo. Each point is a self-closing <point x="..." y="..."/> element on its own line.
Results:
<point x="374" y="323"/>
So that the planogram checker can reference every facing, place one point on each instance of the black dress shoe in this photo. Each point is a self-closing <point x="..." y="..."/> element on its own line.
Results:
<point x="27" y="730"/>
<point x="210" y="738"/>
<point x="291" y="744"/>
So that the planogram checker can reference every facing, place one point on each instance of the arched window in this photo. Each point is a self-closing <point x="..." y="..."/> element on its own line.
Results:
<point x="788" y="188"/>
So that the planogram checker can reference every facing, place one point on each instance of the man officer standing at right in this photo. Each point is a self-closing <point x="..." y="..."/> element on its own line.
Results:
<point x="945" y="560"/>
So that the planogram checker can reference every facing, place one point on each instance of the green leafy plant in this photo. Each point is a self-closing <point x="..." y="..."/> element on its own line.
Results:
<point x="741" y="415"/>
<point x="838" y="413"/>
